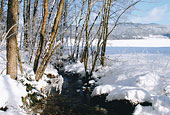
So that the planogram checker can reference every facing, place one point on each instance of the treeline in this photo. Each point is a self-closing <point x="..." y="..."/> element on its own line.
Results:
<point x="43" y="26"/>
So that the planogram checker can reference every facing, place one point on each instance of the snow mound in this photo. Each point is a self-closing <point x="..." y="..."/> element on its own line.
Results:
<point x="75" y="67"/>
<point x="133" y="94"/>
<point x="116" y="92"/>
<point x="103" y="89"/>
<point x="148" y="81"/>
<point x="160" y="106"/>
<point x="12" y="92"/>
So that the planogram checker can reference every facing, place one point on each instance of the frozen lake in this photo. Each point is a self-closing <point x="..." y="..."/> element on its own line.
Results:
<point x="132" y="50"/>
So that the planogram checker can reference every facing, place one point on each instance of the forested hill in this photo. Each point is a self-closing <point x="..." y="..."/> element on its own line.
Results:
<point x="129" y="30"/>
<point x="137" y="30"/>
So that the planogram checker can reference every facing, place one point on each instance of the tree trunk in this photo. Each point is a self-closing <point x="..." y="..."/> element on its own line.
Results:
<point x="53" y="36"/>
<point x="42" y="33"/>
<point x="1" y="10"/>
<point x="24" y="20"/>
<point x="105" y="35"/>
<point x="86" y="49"/>
<point x="65" y="14"/>
<point x="33" y="30"/>
<point x="98" y="47"/>
<point x="27" y="25"/>
<point x="18" y="54"/>
<point x="76" y="45"/>
<point x="12" y="40"/>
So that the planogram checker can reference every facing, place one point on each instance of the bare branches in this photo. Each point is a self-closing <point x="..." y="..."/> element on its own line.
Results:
<point x="4" y="35"/>
<point x="117" y="20"/>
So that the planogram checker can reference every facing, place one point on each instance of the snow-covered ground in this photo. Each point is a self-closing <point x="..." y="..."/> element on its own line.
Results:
<point x="12" y="92"/>
<point x="136" y="77"/>
<point x="150" y="41"/>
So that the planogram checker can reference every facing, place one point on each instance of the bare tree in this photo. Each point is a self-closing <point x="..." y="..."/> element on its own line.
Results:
<point x="106" y="17"/>
<point x="12" y="38"/>
<point x="86" y="49"/>
<point x="76" y="45"/>
<point x="106" y="33"/>
<point x="27" y="23"/>
<point x="50" y="50"/>
<point x="42" y="36"/>
<point x="33" y="29"/>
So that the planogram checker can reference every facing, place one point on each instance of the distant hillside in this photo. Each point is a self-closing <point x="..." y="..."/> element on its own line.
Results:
<point x="136" y="30"/>
<point x="133" y="30"/>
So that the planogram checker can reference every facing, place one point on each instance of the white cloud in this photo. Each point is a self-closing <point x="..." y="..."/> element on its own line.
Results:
<point x="155" y="15"/>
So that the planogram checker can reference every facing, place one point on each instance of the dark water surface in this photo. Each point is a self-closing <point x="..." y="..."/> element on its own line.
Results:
<point x="72" y="101"/>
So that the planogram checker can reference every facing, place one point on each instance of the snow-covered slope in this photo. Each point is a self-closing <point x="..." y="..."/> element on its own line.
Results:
<point x="130" y="30"/>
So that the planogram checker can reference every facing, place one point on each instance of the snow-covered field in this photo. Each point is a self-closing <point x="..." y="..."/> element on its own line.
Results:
<point x="150" y="41"/>
<point x="137" y="77"/>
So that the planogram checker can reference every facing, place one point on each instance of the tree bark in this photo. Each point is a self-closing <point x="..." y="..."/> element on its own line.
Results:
<point x="1" y="10"/>
<point x="53" y="36"/>
<point x="33" y="29"/>
<point x="86" y="49"/>
<point x="18" y="54"/>
<point x="42" y="33"/>
<point x="12" y="40"/>
<point x="105" y="35"/>
<point x="27" y="25"/>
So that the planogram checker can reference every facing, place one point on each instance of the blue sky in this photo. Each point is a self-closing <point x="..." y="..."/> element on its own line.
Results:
<point x="154" y="11"/>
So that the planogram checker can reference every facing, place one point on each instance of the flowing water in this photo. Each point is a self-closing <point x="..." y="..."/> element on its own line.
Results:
<point x="72" y="101"/>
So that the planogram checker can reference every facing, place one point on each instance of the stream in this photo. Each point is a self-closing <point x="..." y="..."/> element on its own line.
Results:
<point x="73" y="101"/>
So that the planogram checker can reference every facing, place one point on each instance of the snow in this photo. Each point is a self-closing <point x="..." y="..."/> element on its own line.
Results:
<point x="13" y="91"/>
<point x="137" y="77"/>
<point x="75" y="68"/>
<point x="140" y="43"/>
<point x="143" y="78"/>
<point x="148" y="41"/>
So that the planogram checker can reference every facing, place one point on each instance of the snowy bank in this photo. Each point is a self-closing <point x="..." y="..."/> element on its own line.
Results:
<point x="135" y="77"/>
<point x="19" y="96"/>
<point x="11" y="93"/>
